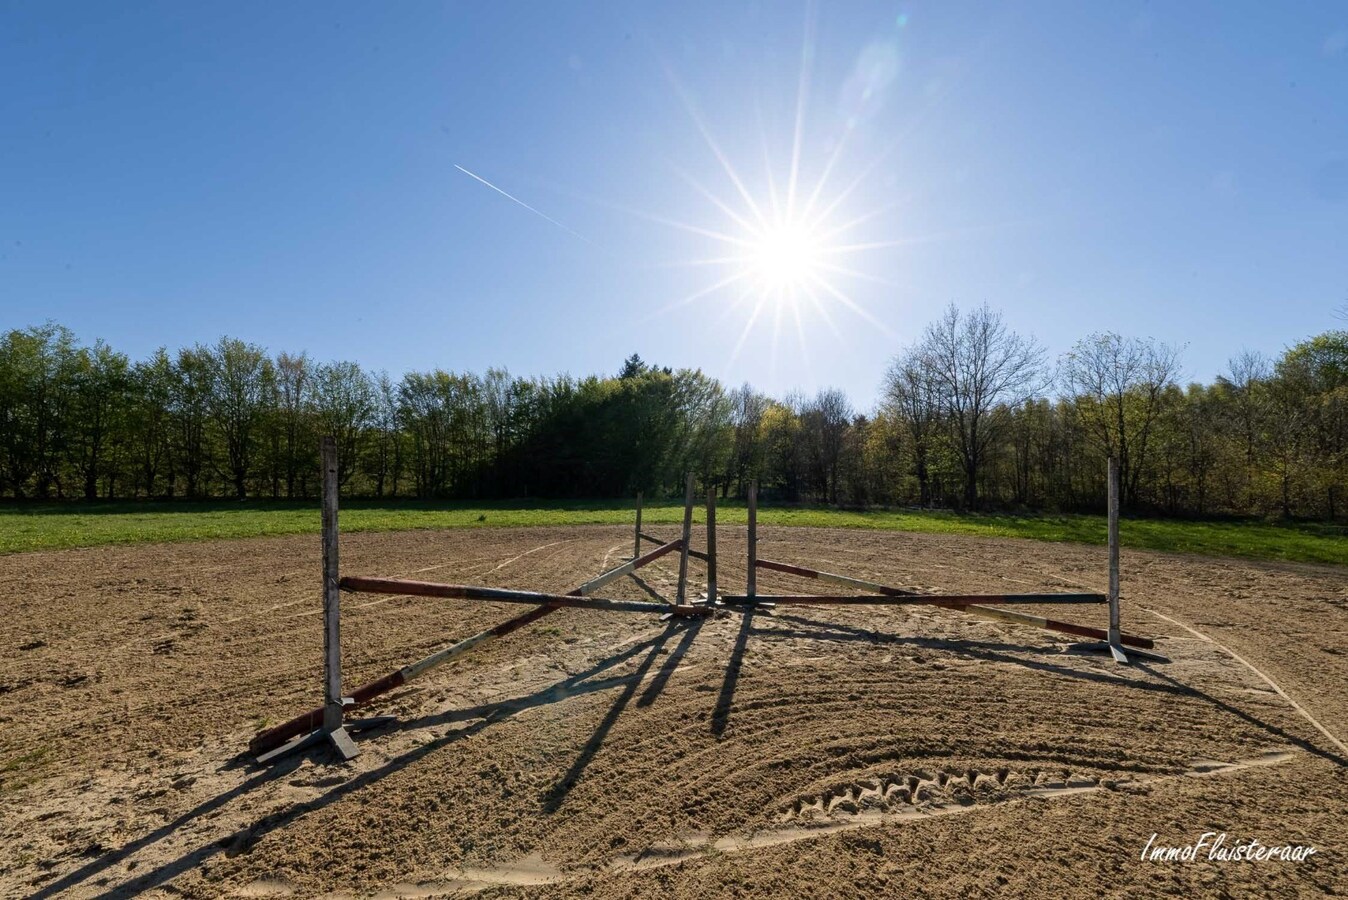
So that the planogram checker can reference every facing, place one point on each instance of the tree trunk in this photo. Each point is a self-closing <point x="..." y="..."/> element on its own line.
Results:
<point x="923" y="481"/>
<point x="971" y="484"/>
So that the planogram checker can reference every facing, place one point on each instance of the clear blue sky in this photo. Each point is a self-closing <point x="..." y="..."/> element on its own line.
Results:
<point x="285" y="173"/>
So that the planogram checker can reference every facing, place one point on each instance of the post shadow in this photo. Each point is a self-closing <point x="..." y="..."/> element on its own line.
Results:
<point x="479" y="718"/>
<point x="484" y="715"/>
<point x="990" y="652"/>
<point x="720" y="716"/>
<point x="650" y="591"/>
<point x="113" y="857"/>
<point x="555" y="795"/>
<point x="671" y="663"/>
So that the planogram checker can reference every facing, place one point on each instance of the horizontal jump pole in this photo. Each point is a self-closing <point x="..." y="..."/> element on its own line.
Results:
<point x="696" y="554"/>
<point x="844" y="580"/>
<point x="626" y="568"/>
<point x="279" y="734"/>
<point x="363" y="585"/>
<point x="952" y="600"/>
<point x="1086" y="631"/>
<point x="1004" y="615"/>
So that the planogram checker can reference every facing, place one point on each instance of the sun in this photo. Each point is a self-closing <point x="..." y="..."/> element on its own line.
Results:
<point x="781" y="250"/>
<point x="785" y="258"/>
<point x="781" y="240"/>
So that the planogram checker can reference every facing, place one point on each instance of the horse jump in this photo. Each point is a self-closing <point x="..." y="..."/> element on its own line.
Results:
<point x="328" y="722"/>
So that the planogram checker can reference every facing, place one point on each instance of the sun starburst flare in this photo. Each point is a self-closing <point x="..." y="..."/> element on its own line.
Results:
<point x="781" y="254"/>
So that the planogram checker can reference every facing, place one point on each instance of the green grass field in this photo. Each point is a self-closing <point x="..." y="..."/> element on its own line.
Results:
<point x="58" y="526"/>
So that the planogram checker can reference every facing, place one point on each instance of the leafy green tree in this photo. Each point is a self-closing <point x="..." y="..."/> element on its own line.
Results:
<point x="151" y="432"/>
<point x="241" y="376"/>
<point x="1314" y="375"/>
<point x="384" y="449"/>
<point x="344" y="406"/>
<point x="38" y="369"/>
<point x="191" y="409"/>
<point x="101" y="382"/>
<point x="295" y="438"/>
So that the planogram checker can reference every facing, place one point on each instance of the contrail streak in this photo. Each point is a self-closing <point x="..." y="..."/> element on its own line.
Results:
<point x="522" y="203"/>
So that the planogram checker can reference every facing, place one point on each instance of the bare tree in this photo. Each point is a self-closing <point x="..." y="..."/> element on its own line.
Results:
<point x="1247" y="385"/>
<point x="1122" y="382"/>
<point x="826" y="419"/>
<point x="1248" y="375"/>
<point x="980" y="368"/>
<point x="911" y="397"/>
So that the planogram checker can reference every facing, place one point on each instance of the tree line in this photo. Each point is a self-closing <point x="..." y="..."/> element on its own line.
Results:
<point x="972" y="416"/>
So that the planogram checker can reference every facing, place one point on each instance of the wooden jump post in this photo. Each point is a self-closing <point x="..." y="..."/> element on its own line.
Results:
<point x="682" y="590"/>
<point x="751" y="580"/>
<point x="686" y="550"/>
<point x="330" y="724"/>
<point x="333" y="715"/>
<point x="711" y="546"/>
<point x="1114" y="638"/>
<point x="636" y="535"/>
<point x="1113" y="513"/>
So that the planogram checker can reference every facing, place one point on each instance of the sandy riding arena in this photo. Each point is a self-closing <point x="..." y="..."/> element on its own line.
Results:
<point x="805" y="751"/>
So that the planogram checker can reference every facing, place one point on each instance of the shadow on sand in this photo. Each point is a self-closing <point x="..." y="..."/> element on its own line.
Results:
<point x="478" y="718"/>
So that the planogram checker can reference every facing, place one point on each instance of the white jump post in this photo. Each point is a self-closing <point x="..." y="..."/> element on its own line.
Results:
<point x="711" y="546"/>
<point x="332" y="608"/>
<point x="636" y="534"/>
<point x="334" y="729"/>
<point x="1113" y="641"/>
<point x="751" y="580"/>
<point x="680" y="596"/>
<point x="1113" y="594"/>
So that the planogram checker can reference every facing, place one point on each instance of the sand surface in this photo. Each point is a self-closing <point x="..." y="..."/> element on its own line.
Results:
<point x="829" y="752"/>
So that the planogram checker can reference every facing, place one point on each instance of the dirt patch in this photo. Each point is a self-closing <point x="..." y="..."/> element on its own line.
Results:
<point x="822" y="751"/>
